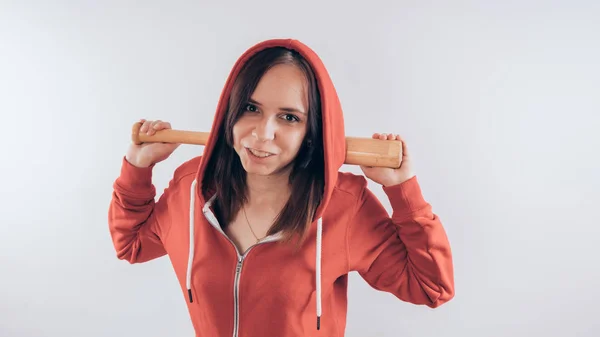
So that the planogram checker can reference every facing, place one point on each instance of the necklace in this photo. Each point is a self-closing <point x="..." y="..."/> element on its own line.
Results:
<point x="249" y="226"/>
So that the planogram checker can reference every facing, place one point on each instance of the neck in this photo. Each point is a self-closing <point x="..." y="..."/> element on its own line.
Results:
<point x="271" y="191"/>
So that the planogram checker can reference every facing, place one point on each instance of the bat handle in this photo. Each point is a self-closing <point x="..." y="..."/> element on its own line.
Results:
<point x="168" y="136"/>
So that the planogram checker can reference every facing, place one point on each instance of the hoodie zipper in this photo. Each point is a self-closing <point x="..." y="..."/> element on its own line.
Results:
<point x="236" y="291"/>
<point x="238" y="269"/>
<point x="236" y="287"/>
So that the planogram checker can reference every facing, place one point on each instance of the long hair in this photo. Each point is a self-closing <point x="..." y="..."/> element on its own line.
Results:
<point x="226" y="175"/>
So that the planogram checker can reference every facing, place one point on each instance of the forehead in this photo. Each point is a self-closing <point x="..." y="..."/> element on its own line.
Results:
<point x="282" y="86"/>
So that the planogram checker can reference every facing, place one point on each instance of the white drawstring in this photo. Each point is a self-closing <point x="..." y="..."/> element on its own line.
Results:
<point x="318" y="271"/>
<point x="188" y="280"/>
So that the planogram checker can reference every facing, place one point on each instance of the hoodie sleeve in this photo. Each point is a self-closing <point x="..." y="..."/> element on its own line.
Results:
<point x="133" y="215"/>
<point x="408" y="254"/>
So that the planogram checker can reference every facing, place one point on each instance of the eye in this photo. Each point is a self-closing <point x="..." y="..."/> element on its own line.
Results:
<point x="291" y="118"/>
<point x="250" y="107"/>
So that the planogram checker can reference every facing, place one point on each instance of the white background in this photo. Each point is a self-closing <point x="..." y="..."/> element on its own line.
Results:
<point x="498" y="101"/>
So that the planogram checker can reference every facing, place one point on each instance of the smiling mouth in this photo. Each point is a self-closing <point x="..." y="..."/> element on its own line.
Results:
<point x="259" y="154"/>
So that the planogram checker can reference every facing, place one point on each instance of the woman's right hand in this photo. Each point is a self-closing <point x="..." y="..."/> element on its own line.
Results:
<point x="146" y="154"/>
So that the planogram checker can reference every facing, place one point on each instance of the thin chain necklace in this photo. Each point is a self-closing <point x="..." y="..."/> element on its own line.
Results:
<point x="250" y="226"/>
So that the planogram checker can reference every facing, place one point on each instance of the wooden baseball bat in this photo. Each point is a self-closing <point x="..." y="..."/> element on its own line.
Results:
<point x="359" y="150"/>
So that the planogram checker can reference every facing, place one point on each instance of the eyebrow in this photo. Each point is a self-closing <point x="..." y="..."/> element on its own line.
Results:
<point x="286" y="109"/>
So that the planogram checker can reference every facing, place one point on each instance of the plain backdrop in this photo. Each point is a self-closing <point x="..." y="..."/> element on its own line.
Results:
<point x="499" y="103"/>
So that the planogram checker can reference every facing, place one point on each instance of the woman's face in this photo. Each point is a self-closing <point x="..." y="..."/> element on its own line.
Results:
<point x="270" y="131"/>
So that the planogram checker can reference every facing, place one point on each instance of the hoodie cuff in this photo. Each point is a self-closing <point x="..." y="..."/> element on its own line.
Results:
<point x="405" y="198"/>
<point x="136" y="179"/>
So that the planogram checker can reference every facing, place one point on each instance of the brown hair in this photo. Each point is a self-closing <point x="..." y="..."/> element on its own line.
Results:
<point x="224" y="171"/>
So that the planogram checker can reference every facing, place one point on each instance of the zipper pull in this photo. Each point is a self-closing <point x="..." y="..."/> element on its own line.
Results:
<point x="239" y="264"/>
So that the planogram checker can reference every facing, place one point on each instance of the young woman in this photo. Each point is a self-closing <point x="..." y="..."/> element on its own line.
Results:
<point x="262" y="229"/>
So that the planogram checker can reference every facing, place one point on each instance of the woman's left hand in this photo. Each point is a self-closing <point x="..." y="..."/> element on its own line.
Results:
<point x="389" y="176"/>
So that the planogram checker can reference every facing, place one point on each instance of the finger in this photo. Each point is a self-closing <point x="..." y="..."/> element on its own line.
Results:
<point x="383" y="136"/>
<point x="375" y="135"/>
<point x="145" y="126"/>
<point x="161" y="125"/>
<point x="152" y="129"/>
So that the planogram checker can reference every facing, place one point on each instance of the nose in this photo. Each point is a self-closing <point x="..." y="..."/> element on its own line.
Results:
<point x="265" y="130"/>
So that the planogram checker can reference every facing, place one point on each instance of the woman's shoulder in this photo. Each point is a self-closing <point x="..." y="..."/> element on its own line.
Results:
<point x="351" y="190"/>
<point x="351" y="183"/>
<point x="187" y="169"/>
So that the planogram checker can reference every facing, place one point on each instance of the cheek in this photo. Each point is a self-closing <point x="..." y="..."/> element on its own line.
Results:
<point x="235" y="132"/>
<point x="238" y="133"/>
<point x="295" y="140"/>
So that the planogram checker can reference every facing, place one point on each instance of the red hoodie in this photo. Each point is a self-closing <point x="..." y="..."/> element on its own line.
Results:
<point x="271" y="290"/>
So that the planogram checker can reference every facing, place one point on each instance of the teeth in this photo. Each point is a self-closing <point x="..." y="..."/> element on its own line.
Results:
<point x="260" y="154"/>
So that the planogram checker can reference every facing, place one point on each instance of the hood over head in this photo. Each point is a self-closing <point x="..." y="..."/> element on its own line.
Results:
<point x="334" y="139"/>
